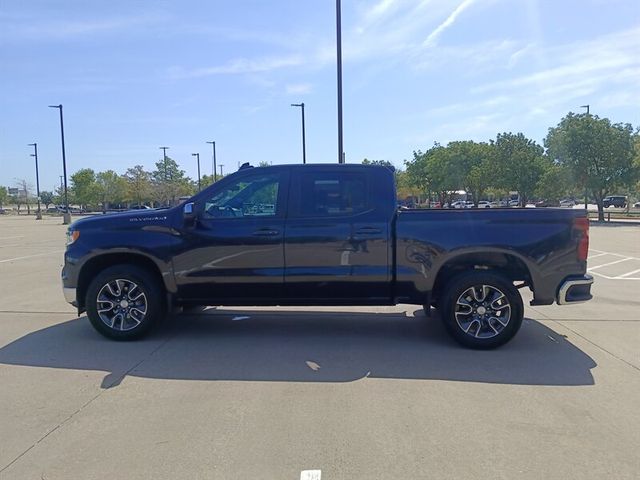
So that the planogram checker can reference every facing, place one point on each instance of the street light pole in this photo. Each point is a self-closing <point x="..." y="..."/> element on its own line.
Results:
<point x="164" y="155"/>
<point x="339" y="65"/>
<point x="221" y="165"/>
<point x="35" y="154"/>
<point x="197" y="155"/>
<point x="586" y="173"/>
<point x="66" y="217"/>
<point x="304" y="147"/>
<point x="215" y="175"/>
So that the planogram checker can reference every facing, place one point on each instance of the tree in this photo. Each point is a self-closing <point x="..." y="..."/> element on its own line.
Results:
<point x="432" y="172"/>
<point x="264" y="163"/>
<point x="473" y="166"/>
<point x="46" y="197"/>
<point x="111" y="188"/>
<point x="83" y="187"/>
<point x="3" y="196"/>
<point x="599" y="154"/>
<point x="170" y="182"/>
<point x="555" y="183"/>
<point x="139" y="186"/>
<point x="24" y="194"/>
<point x="519" y="164"/>
<point x="384" y="163"/>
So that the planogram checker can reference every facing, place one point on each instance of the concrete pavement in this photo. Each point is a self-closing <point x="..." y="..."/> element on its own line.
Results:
<point x="357" y="393"/>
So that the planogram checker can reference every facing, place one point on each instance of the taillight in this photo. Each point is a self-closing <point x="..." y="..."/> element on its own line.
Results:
<point x="582" y="225"/>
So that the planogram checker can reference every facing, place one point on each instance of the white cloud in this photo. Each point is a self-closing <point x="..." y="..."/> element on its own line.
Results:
<point x="239" y="66"/>
<point x="579" y="68"/>
<point x="433" y="36"/>
<point x="299" y="88"/>
<point x="51" y="29"/>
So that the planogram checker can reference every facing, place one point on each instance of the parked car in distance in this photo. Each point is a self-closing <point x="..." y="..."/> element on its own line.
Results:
<point x="617" y="201"/>
<point x="140" y="207"/>
<point x="458" y="204"/>
<point x="567" y="203"/>
<point x="324" y="235"/>
<point x="484" y="204"/>
<point x="514" y="203"/>
<point x="545" y="203"/>
<point x="636" y="205"/>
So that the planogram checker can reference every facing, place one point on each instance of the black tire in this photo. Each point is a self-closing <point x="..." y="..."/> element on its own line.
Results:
<point x="132" y="325"/>
<point x="490" y="322"/>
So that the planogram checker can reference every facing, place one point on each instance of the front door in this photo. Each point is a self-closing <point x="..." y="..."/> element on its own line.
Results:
<point x="234" y="251"/>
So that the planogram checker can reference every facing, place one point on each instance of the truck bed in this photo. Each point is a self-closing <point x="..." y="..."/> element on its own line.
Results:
<point x="540" y="242"/>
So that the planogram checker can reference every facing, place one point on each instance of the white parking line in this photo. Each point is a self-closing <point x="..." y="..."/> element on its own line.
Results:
<point x="597" y="255"/>
<point x="611" y="263"/>
<point x="310" y="475"/>
<point x="614" y="254"/>
<point x="28" y="256"/>
<point x="628" y="274"/>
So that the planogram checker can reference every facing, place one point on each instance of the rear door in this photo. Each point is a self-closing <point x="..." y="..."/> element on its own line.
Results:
<point x="337" y="243"/>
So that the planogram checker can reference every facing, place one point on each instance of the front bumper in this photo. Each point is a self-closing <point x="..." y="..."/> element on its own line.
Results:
<point x="70" y="295"/>
<point x="575" y="290"/>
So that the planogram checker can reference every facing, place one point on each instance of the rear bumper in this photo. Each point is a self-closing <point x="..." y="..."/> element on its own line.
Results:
<point x="575" y="290"/>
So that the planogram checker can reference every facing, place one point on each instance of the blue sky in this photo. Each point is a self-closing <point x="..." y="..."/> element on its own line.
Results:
<point x="135" y="75"/>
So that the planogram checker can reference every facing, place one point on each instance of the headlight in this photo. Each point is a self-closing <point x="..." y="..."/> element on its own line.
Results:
<point x="72" y="236"/>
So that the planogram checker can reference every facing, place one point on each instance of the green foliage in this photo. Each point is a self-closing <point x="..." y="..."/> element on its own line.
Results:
<point x="83" y="187"/>
<point x="599" y="154"/>
<point x="46" y="198"/>
<point x="170" y="182"/>
<point x="384" y="163"/>
<point x="472" y="166"/>
<point x="110" y="188"/>
<point x="518" y="163"/>
<point x="554" y="184"/>
<point x="4" y="195"/>
<point x="139" y="186"/>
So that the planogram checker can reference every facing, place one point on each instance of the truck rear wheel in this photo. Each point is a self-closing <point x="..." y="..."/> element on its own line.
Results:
<point x="481" y="310"/>
<point x="124" y="301"/>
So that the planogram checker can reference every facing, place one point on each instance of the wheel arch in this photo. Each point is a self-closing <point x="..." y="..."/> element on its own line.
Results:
<point x="98" y="263"/>
<point x="507" y="264"/>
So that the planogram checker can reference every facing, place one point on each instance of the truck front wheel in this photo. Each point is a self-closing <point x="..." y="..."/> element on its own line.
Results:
<point x="481" y="309"/>
<point x="124" y="301"/>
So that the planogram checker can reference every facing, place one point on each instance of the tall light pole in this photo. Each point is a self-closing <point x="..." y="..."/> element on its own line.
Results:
<point x="35" y="154"/>
<point x="197" y="155"/>
<point x="304" y="147"/>
<point x="66" y="217"/>
<point x="164" y="155"/>
<point x="339" y="65"/>
<point x="221" y="165"/>
<point x="586" y="173"/>
<point x="215" y="175"/>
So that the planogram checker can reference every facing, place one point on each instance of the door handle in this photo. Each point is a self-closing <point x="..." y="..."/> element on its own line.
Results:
<point x="368" y="231"/>
<point x="265" y="232"/>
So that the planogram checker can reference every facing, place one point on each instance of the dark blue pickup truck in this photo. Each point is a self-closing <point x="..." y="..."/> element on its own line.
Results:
<point x="324" y="235"/>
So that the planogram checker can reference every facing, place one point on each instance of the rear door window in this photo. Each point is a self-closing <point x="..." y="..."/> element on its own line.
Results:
<point x="333" y="194"/>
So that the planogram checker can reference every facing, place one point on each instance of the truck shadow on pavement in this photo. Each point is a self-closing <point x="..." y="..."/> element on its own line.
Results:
<point x="311" y="346"/>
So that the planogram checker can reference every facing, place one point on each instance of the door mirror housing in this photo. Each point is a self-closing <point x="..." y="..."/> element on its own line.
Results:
<point x="189" y="214"/>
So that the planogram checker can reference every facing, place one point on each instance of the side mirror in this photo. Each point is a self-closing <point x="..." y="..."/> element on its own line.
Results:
<point x="189" y="214"/>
